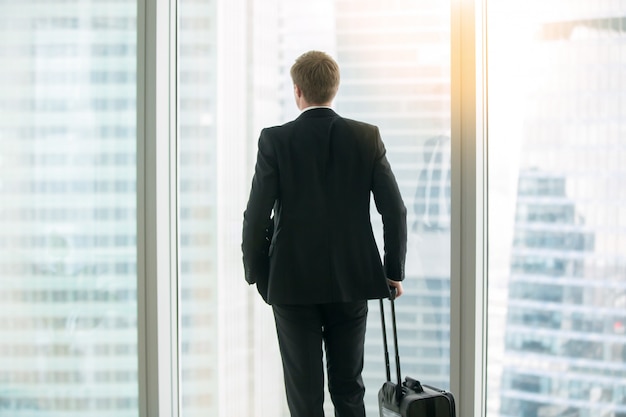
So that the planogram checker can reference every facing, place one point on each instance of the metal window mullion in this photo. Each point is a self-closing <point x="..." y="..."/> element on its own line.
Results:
<point x="156" y="209"/>
<point x="468" y="253"/>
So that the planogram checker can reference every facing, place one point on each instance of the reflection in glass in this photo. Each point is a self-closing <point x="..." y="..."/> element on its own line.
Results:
<point x="68" y="309"/>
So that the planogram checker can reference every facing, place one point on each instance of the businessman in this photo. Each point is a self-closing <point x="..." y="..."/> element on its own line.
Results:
<point x="316" y="260"/>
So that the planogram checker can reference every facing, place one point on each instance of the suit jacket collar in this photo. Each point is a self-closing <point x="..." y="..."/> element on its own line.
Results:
<point x="317" y="112"/>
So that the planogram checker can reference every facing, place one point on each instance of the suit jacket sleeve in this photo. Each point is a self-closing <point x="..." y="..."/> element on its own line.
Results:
<point x="391" y="207"/>
<point x="256" y="218"/>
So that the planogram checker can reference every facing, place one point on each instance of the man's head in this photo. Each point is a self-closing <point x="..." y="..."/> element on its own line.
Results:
<point x="315" y="77"/>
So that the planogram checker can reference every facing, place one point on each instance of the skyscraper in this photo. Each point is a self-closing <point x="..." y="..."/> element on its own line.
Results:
<point x="68" y="298"/>
<point x="564" y="337"/>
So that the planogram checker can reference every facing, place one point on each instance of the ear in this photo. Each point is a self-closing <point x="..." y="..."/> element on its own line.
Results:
<point x="297" y="91"/>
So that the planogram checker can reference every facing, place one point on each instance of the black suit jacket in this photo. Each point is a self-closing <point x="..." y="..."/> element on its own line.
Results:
<point x="317" y="173"/>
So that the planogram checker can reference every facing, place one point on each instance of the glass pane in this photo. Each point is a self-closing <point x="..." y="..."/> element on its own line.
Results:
<point x="557" y="187"/>
<point x="68" y="297"/>
<point x="233" y="81"/>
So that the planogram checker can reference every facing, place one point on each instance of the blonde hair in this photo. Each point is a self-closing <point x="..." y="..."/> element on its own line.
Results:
<point x="317" y="75"/>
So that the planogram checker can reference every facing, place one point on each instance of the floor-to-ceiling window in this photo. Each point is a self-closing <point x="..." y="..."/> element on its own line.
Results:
<point x="234" y="60"/>
<point x="68" y="197"/>
<point x="557" y="188"/>
<point x="68" y="297"/>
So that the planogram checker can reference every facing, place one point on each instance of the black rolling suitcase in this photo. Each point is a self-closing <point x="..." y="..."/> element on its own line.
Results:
<point x="409" y="398"/>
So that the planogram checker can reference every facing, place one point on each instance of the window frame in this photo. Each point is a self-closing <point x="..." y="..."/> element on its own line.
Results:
<point x="157" y="234"/>
<point x="468" y="277"/>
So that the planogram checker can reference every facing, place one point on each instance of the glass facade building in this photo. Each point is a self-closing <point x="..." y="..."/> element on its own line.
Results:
<point x="68" y="258"/>
<point x="563" y="340"/>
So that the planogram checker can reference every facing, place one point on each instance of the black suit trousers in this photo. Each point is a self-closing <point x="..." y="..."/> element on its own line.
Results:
<point x="301" y="330"/>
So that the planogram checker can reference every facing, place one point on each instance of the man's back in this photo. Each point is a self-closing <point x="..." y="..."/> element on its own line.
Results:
<point x="322" y="169"/>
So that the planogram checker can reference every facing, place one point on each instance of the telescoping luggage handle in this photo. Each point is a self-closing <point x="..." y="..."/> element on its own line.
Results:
<point x="395" y="342"/>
